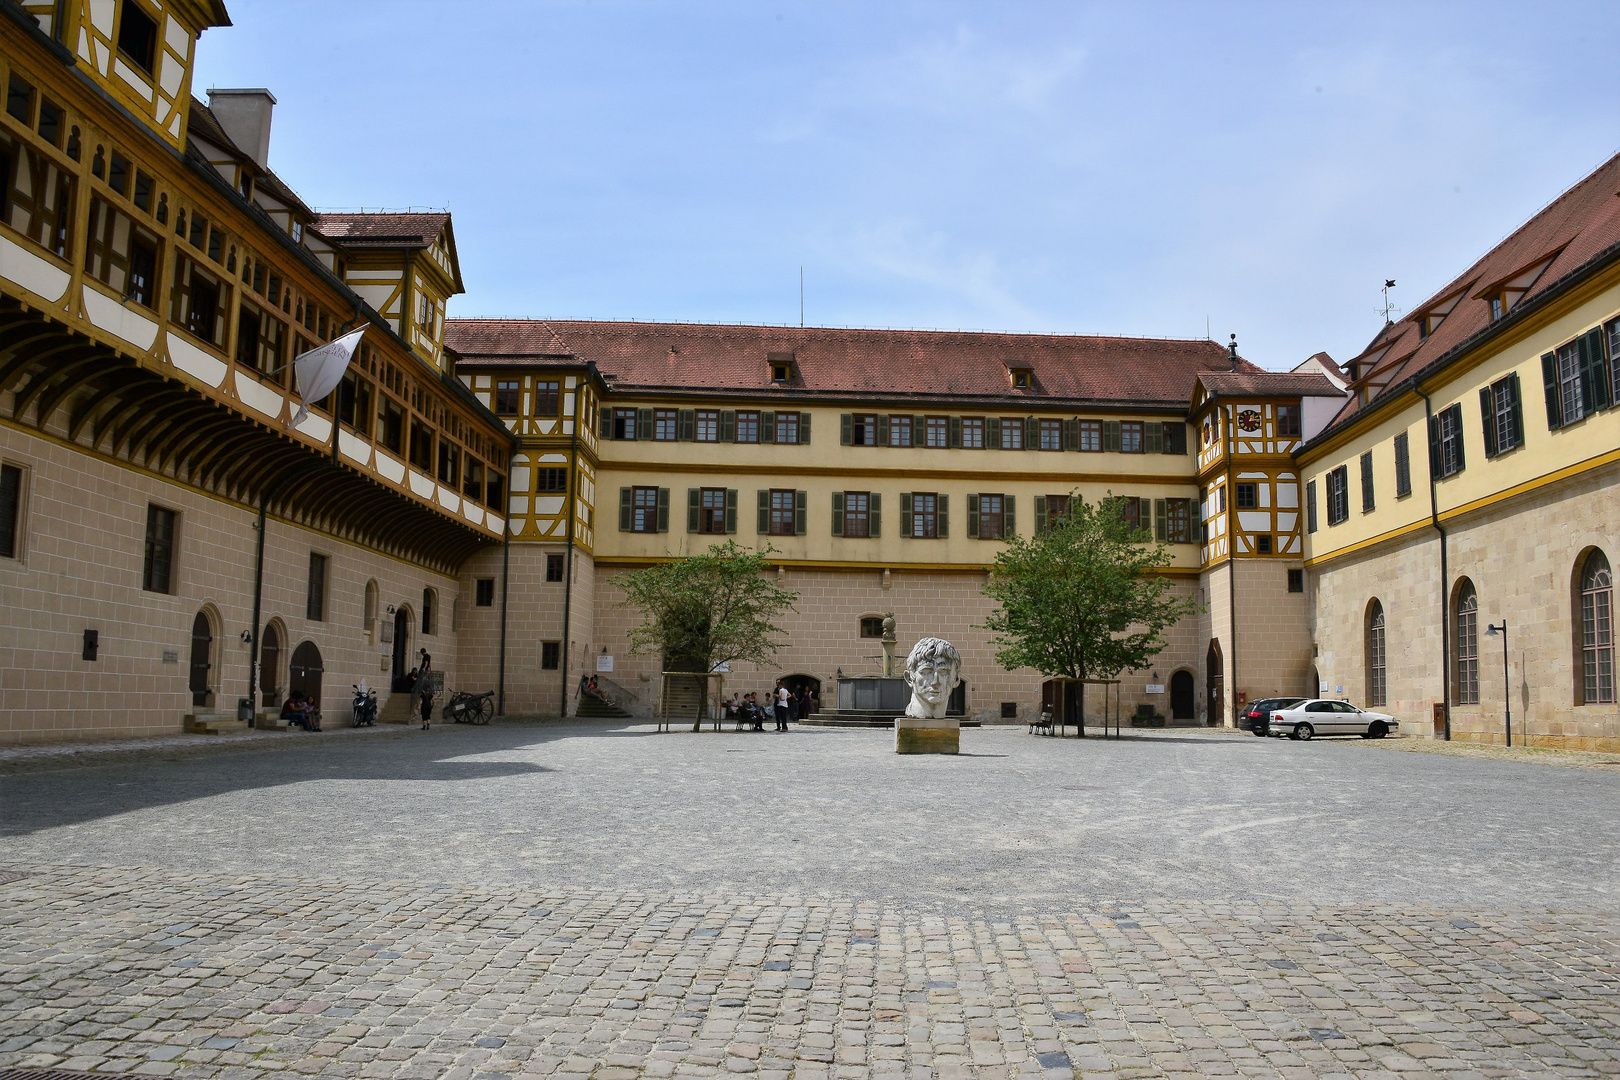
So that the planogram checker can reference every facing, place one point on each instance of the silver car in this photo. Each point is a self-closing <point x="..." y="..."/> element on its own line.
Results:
<point x="1326" y="716"/>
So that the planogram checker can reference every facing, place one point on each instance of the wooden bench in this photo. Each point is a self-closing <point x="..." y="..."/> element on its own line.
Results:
<point x="1042" y="724"/>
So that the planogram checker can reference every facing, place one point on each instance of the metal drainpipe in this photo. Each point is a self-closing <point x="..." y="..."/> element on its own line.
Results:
<point x="1230" y="697"/>
<point x="506" y="564"/>
<point x="258" y="598"/>
<point x="568" y="557"/>
<point x="1445" y="584"/>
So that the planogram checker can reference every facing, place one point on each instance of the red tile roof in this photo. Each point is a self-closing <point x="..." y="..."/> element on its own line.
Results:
<point x="698" y="357"/>
<point x="1268" y="384"/>
<point x="402" y="230"/>
<point x="1578" y="226"/>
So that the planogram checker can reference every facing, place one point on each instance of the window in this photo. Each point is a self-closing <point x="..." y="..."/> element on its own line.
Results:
<point x="550" y="655"/>
<point x="1338" y="495"/>
<point x="551" y="480"/>
<point x="1296" y="581"/>
<point x="1467" y="644"/>
<point x="1570" y="384"/>
<point x="195" y="301"/>
<point x="494" y="487"/>
<point x="20" y="100"/>
<point x="1130" y="512"/>
<point x="157" y="570"/>
<point x="10" y="510"/>
<point x="1597" y="630"/>
<point x="484" y="592"/>
<point x="1446" y="442"/>
<point x="354" y="404"/>
<point x="899" y="431"/>
<point x="666" y="425"/>
<point x="1247" y="496"/>
<point x="547" y="397"/>
<point x="421" y="450"/>
<point x="472" y="483"/>
<point x="987" y="516"/>
<point x="1178" y="521"/>
<point x="712" y="510"/>
<point x="924" y="515"/>
<point x="1051" y="434"/>
<point x="747" y="426"/>
<point x="118" y="173"/>
<point x="393" y="426"/>
<point x="430" y="612"/>
<point x="1501" y="416"/>
<point x="315" y="595"/>
<point x="937" y="433"/>
<point x="1288" y="421"/>
<point x="1021" y="378"/>
<point x="137" y="36"/>
<point x="781" y="364"/>
<point x="1310" y="506"/>
<point x="1130" y="437"/>
<point x="643" y="509"/>
<point x="792" y="428"/>
<point x="1367" y="501"/>
<point x="852" y="514"/>
<point x="1262" y="544"/>
<point x="708" y="426"/>
<point x="1050" y="510"/>
<point x="1403" y="466"/>
<point x="973" y="433"/>
<point x="783" y="512"/>
<point x="1376" y="680"/>
<point x="1012" y="433"/>
<point x="622" y="425"/>
<point x="1091" y="436"/>
<point x="872" y="626"/>
<point x="554" y="567"/>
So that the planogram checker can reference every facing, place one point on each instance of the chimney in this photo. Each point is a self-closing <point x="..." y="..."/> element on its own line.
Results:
<point x="245" y="116"/>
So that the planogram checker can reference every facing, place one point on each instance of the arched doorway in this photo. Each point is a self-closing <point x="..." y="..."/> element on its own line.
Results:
<point x="1216" y="681"/>
<point x="957" y="703"/>
<point x="202" y="660"/>
<point x="304" y="673"/>
<point x="402" y="645"/>
<point x="798" y="684"/>
<point x="1183" y="697"/>
<point x="270" y="665"/>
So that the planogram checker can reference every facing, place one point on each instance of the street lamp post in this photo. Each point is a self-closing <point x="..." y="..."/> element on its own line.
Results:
<point x="1507" y="690"/>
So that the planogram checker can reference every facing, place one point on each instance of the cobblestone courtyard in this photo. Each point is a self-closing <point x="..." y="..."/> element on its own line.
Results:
<point x="592" y="901"/>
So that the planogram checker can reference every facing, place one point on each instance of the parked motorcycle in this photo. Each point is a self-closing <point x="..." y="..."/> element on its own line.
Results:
<point x="365" y="706"/>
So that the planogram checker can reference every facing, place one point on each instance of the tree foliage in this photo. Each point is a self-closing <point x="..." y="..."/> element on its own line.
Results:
<point x="704" y="610"/>
<point x="1080" y="599"/>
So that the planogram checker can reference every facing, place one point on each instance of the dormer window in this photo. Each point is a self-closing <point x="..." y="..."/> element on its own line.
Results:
<point x="137" y="37"/>
<point x="1498" y="309"/>
<point x="298" y="232"/>
<point x="1022" y="377"/>
<point x="781" y="365"/>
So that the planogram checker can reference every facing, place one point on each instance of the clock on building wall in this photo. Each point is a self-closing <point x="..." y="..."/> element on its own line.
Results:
<point x="1248" y="420"/>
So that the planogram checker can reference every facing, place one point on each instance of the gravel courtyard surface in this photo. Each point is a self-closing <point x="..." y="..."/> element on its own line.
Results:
<point x="603" y="901"/>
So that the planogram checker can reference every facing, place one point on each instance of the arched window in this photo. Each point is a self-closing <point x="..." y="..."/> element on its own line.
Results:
<point x="1377" y="684"/>
<point x="1467" y="644"/>
<point x="429" y="615"/>
<point x="1597" y="630"/>
<point x="371" y="605"/>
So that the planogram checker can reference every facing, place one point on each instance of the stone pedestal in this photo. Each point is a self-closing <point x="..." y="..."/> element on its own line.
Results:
<point x="917" y="736"/>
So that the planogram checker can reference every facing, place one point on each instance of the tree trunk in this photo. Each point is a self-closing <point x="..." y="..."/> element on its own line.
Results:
<point x="1082" y="715"/>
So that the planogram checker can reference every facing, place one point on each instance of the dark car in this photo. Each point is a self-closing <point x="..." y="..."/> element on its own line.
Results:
<point x="1256" y="716"/>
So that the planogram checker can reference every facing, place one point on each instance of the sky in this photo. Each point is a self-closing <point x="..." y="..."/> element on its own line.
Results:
<point x="1144" y="169"/>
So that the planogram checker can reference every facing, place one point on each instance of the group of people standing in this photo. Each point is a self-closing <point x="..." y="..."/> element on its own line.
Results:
<point x="782" y="706"/>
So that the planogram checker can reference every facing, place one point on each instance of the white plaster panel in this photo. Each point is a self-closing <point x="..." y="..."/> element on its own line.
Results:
<point x="449" y="499"/>
<point x="196" y="363"/>
<point x="569" y="382"/>
<point x="127" y="73"/>
<point x="353" y="446"/>
<point x="101" y="16"/>
<point x="548" y="504"/>
<point x="472" y="512"/>
<point x="568" y="427"/>
<point x="481" y="381"/>
<point x="546" y="426"/>
<point x="519" y="458"/>
<point x="517" y="504"/>
<point x="1287" y="522"/>
<point x="520" y="478"/>
<point x="174" y="125"/>
<point x="115" y="318"/>
<point x="316" y="427"/>
<point x="422" y="485"/>
<point x="171" y="74"/>
<point x="33" y="273"/>
<point x="86" y="53"/>
<point x="391" y="468"/>
<point x="1288" y="495"/>
<point x="175" y="34"/>
<point x="560" y="459"/>
<point x="1253" y="521"/>
<point x="258" y="396"/>
<point x="1263" y="495"/>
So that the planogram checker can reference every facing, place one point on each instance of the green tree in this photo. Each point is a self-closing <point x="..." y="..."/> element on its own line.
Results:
<point x="1080" y="600"/>
<point x="700" y="611"/>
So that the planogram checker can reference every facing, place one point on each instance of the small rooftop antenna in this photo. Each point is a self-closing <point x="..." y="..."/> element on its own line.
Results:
<point x="1389" y="283"/>
<point x="801" y="297"/>
<point x="1232" y="356"/>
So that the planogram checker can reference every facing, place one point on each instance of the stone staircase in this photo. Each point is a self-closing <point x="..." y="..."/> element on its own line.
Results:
<point x="207" y="723"/>
<point x="591" y="708"/>
<point x="397" y="710"/>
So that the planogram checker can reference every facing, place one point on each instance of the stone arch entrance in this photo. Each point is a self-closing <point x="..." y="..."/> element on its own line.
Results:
<point x="1215" y="681"/>
<point x="1183" y="696"/>
<point x="304" y="673"/>
<point x="202" y="661"/>
<point x="275" y="637"/>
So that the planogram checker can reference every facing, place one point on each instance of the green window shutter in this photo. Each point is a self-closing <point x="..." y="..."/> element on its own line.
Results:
<point x="644" y="423"/>
<point x="973" y="517"/>
<point x="919" y="431"/>
<point x="606" y="429"/>
<point x="1549" y="381"/>
<point x="1488" y="417"/>
<point x="1032" y="433"/>
<point x="846" y="426"/>
<point x="883" y="429"/>
<point x="1153" y="437"/>
<point x="728" y="425"/>
<point x="686" y="425"/>
<point x="767" y="427"/>
<point x="801" y="512"/>
<point x="731" y="510"/>
<point x="1456" y="420"/>
<point x="1040" y="514"/>
<point x="838" y="514"/>
<point x="692" y="497"/>
<point x="905" y="513"/>
<point x="1594" y="372"/>
<point x="663" y="510"/>
<point x="1144" y="515"/>
<point x="1518" y="409"/>
<point x="944" y="517"/>
<point x="953" y="432"/>
<point x="1009" y="516"/>
<point x="1111" y="435"/>
<point x="1071" y="433"/>
<point x="764" y="511"/>
<point x="992" y="433"/>
<point x="1158" y="520"/>
<point x="874" y="514"/>
<point x="1434" y="458"/>
<point x="624" y="509"/>
<point x="804" y="429"/>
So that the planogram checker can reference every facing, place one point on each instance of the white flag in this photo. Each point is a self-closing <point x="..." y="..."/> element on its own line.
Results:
<point x="321" y="369"/>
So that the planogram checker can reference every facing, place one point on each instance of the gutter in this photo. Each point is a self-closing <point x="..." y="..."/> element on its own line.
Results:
<point x="1445" y="584"/>
<point x="506" y="576"/>
<point x="568" y="557"/>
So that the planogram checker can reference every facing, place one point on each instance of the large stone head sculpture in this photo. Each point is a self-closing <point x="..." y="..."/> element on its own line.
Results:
<point x="933" y="668"/>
